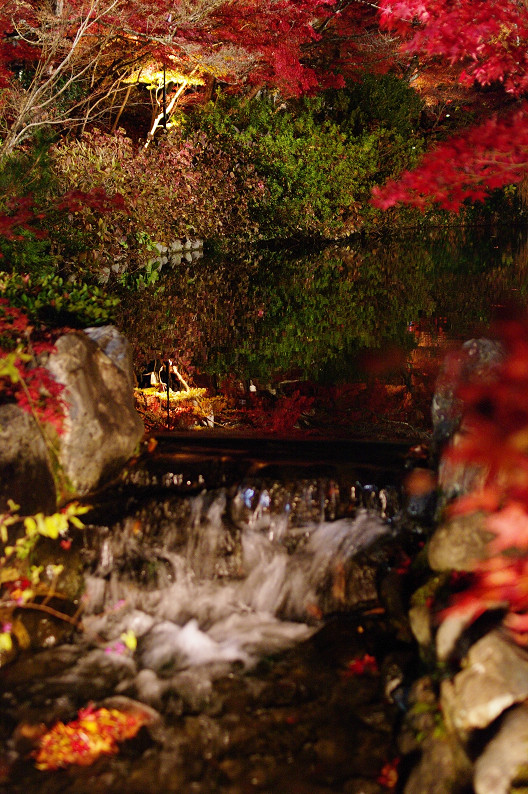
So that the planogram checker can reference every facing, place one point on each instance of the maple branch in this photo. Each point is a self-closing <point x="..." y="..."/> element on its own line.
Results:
<point x="52" y="80"/>
<point x="50" y="611"/>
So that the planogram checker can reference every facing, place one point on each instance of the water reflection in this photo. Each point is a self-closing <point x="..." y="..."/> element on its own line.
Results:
<point x="312" y="314"/>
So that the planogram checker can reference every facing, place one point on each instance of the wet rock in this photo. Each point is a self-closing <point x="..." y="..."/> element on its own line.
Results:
<point x="442" y="769"/>
<point x="505" y="755"/>
<point x="94" y="676"/>
<point x="102" y="427"/>
<point x="494" y="678"/>
<point x="25" y="466"/>
<point x="421" y="625"/>
<point x="458" y="543"/>
<point x="44" y="631"/>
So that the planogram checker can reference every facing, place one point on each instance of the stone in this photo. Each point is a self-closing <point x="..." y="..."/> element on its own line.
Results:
<point x="494" y="678"/>
<point x="459" y="543"/>
<point x="421" y="717"/>
<point x="443" y="766"/>
<point x="505" y="755"/>
<point x="421" y="625"/>
<point x="451" y="629"/>
<point x="117" y="348"/>
<point x="442" y="769"/>
<point x="475" y="360"/>
<point x="25" y="466"/>
<point x="457" y="478"/>
<point x="102" y="427"/>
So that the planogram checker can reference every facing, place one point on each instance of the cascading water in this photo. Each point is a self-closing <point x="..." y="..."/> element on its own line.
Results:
<point x="213" y="585"/>
<point x="221" y="581"/>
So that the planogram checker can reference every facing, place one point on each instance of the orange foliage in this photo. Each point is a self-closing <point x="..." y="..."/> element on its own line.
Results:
<point x="96" y="732"/>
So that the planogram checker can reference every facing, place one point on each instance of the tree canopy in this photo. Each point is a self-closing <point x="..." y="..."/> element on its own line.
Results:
<point x="486" y="44"/>
<point x="66" y="63"/>
<point x="69" y="64"/>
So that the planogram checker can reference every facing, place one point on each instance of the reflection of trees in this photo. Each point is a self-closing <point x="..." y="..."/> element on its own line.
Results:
<point x="321" y="310"/>
<point x="193" y="314"/>
<point x="476" y="271"/>
<point x="313" y="314"/>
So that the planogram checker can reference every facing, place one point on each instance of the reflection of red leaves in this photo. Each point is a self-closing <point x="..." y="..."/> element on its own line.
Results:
<point x="96" y="732"/>
<point x="283" y="416"/>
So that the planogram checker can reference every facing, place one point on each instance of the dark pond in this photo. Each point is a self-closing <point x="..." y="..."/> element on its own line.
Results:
<point x="334" y="316"/>
<point x="265" y="581"/>
<point x="313" y="311"/>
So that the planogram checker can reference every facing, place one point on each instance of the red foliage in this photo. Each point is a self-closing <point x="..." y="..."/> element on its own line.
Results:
<point x="488" y="37"/>
<point x="468" y="166"/>
<point x="489" y="40"/>
<point x="96" y="199"/>
<point x="31" y="386"/>
<point x="283" y="416"/>
<point x="388" y="777"/>
<point x="495" y="437"/>
<point x="361" y="665"/>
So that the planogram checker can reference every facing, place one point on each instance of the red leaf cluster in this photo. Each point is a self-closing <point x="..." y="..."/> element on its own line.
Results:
<point x="33" y="388"/>
<point x="361" y="665"/>
<point x="489" y="37"/>
<point x="495" y="438"/>
<point x="488" y="42"/>
<point x="468" y="166"/>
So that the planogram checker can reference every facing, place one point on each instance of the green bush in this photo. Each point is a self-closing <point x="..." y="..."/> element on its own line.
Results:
<point x="48" y="298"/>
<point x="316" y="159"/>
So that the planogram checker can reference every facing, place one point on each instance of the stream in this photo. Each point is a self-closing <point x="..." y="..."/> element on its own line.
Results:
<point x="248" y="595"/>
<point x="258" y="579"/>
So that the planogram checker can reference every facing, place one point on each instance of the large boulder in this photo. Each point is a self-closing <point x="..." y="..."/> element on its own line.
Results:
<point x="25" y="466"/>
<point x="102" y="427"/>
<point x="117" y="348"/>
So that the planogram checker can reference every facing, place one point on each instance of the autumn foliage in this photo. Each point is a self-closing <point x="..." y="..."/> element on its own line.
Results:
<point x="96" y="732"/>
<point x="21" y="378"/>
<point x="486" y="45"/>
<point x="495" y="438"/>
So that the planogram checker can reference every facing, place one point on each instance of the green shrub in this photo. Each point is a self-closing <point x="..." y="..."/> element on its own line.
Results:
<point x="316" y="159"/>
<point x="48" y="298"/>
